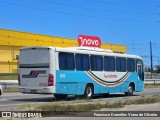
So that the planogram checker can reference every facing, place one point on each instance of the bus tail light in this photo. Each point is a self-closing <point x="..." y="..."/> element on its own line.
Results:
<point x="50" y="80"/>
<point x="19" y="80"/>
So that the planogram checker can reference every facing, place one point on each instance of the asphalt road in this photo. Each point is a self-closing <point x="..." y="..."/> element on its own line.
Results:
<point x="12" y="101"/>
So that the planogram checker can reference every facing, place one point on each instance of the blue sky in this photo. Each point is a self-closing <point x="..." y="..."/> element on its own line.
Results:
<point x="133" y="23"/>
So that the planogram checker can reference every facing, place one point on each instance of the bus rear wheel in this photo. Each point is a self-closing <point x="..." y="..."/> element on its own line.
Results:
<point x="88" y="93"/>
<point x="130" y="91"/>
<point x="60" y="96"/>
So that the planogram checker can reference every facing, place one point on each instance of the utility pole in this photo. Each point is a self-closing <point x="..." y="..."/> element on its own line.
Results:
<point x="151" y="59"/>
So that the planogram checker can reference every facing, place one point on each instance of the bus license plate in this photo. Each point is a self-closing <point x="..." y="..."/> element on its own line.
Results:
<point x="33" y="91"/>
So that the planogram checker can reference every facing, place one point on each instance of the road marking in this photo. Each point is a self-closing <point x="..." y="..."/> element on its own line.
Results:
<point x="2" y="99"/>
<point x="11" y="105"/>
<point x="15" y="104"/>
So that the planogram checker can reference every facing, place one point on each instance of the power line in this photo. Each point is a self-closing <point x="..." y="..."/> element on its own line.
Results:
<point x="155" y="56"/>
<point x="74" y="14"/>
<point x="116" y="4"/>
<point x="135" y="44"/>
<point x="75" y="6"/>
<point x="86" y="8"/>
<point x="89" y="8"/>
<point x="102" y="2"/>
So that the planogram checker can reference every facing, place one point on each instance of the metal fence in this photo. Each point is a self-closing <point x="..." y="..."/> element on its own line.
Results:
<point x="14" y="83"/>
<point x="154" y="76"/>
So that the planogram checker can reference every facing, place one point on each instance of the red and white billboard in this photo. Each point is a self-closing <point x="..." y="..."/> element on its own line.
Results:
<point x="89" y="41"/>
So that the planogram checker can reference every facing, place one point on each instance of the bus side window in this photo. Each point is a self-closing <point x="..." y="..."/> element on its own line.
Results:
<point x="130" y="65"/>
<point x="82" y="62"/>
<point x="85" y="62"/>
<point x="118" y="64"/>
<point x="112" y="63"/>
<point x="93" y="62"/>
<point x="70" y="61"/>
<point x="121" y="64"/>
<point x="78" y="62"/>
<point x="106" y="63"/>
<point x="133" y="65"/>
<point x="66" y="61"/>
<point x="109" y="63"/>
<point x="96" y="63"/>
<point x="140" y="69"/>
<point x="99" y="63"/>
<point x="62" y="61"/>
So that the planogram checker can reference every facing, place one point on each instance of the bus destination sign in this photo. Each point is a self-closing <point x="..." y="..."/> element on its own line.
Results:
<point x="89" y="41"/>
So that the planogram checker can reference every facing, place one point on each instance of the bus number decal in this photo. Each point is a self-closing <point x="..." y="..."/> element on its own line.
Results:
<point x="62" y="76"/>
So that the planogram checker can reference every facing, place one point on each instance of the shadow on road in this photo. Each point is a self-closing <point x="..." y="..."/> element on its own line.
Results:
<point x="69" y="98"/>
<point x="32" y="99"/>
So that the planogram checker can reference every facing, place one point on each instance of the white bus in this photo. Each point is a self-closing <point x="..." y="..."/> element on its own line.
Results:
<point x="78" y="71"/>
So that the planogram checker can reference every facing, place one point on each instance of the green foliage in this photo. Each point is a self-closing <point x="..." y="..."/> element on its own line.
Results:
<point x="80" y="107"/>
<point x="9" y="77"/>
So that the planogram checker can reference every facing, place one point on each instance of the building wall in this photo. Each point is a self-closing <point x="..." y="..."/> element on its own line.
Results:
<point x="11" y="41"/>
<point x="8" y="61"/>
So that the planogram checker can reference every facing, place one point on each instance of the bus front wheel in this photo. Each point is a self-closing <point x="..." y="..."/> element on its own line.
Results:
<point x="88" y="93"/>
<point x="130" y="91"/>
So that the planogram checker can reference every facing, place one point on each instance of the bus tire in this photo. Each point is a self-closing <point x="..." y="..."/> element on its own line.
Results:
<point x="88" y="93"/>
<point x="0" y="92"/>
<point x="60" y="96"/>
<point x="130" y="90"/>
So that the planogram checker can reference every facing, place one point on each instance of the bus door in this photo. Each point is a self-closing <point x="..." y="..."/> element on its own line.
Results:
<point x="139" y="70"/>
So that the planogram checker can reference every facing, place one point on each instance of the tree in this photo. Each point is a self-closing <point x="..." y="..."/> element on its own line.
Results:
<point x="157" y="68"/>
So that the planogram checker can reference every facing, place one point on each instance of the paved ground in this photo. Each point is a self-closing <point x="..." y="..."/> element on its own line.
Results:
<point x="147" y="107"/>
<point x="10" y="101"/>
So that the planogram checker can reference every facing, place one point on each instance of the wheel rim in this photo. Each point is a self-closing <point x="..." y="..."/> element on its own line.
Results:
<point x="130" y="89"/>
<point x="88" y="92"/>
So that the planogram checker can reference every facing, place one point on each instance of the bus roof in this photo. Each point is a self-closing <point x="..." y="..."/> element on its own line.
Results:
<point x="85" y="50"/>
